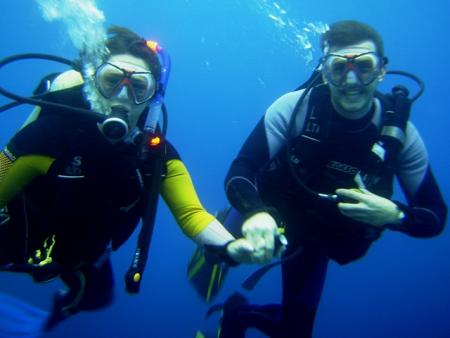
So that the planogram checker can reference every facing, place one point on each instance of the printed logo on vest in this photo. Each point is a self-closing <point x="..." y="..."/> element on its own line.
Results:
<point x="74" y="168"/>
<point x="342" y="167"/>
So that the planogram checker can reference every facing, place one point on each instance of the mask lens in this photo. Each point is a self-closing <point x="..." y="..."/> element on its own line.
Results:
<point x="143" y="85"/>
<point x="109" y="79"/>
<point x="367" y="67"/>
<point x="336" y="69"/>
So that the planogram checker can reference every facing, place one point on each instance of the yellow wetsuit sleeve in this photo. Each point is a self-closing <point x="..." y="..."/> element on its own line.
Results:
<point x="18" y="173"/>
<point x="179" y="194"/>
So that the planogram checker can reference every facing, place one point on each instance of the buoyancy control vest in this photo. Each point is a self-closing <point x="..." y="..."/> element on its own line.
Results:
<point x="325" y="156"/>
<point x="150" y="141"/>
<point x="85" y="165"/>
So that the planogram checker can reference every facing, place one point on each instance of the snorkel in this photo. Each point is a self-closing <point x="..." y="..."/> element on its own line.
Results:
<point x="152" y="147"/>
<point x="156" y="104"/>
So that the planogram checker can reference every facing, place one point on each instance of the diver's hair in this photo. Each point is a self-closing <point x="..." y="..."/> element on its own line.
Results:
<point x="123" y="41"/>
<point x="348" y="32"/>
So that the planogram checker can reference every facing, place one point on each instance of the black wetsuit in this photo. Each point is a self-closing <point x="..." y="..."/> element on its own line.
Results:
<point x="90" y="198"/>
<point x="59" y="176"/>
<point x="259" y="179"/>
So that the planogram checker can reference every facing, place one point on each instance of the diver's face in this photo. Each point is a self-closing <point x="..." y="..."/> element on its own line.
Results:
<point x="352" y="97"/>
<point x="126" y="82"/>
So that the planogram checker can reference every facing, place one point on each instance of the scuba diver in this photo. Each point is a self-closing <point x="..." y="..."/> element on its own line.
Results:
<point x="321" y="164"/>
<point x="86" y="167"/>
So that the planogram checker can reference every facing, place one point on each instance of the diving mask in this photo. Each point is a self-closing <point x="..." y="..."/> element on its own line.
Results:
<point x="367" y="67"/>
<point x="110" y="79"/>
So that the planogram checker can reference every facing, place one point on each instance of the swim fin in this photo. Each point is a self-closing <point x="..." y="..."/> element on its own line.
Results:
<point x="20" y="319"/>
<point x="207" y="278"/>
<point x="201" y="334"/>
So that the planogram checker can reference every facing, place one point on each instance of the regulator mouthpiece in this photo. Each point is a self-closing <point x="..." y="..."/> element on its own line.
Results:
<point x="115" y="126"/>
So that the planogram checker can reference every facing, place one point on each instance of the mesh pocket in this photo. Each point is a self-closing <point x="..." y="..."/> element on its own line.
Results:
<point x="5" y="163"/>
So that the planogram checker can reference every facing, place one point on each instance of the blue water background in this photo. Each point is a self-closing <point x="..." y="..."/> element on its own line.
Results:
<point x="230" y="61"/>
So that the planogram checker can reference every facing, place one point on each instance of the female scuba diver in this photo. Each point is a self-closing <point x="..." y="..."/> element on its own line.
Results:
<point x="74" y="185"/>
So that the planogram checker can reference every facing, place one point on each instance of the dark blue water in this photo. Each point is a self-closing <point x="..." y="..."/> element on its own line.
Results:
<point x="230" y="61"/>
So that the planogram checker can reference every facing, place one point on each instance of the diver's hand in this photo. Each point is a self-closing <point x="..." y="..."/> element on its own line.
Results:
<point x="261" y="231"/>
<point x="241" y="251"/>
<point x="369" y="208"/>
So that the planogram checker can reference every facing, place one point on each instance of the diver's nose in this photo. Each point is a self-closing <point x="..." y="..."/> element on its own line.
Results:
<point x="351" y="77"/>
<point x="124" y="93"/>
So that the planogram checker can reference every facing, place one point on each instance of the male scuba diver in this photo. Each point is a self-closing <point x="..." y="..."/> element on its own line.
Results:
<point x="321" y="163"/>
<point x="78" y="177"/>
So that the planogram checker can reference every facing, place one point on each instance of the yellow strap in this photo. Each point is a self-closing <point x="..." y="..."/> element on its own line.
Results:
<point x="43" y="256"/>
<point x="197" y="266"/>
<point x="211" y="285"/>
<point x="179" y="194"/>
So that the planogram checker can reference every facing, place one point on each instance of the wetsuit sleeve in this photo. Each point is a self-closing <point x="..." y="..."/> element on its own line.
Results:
<point x="179" y="194"/>
<point x="240" y="183"/>
<point x="16" y="173"/>
<point x="29" y="154"/>
<point x="426" y="210"/>
<point x="266" y="140"/>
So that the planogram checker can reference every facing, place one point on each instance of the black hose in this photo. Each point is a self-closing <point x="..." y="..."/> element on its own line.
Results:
<point x="413" y="77"/>
<point x="36" y="100"/>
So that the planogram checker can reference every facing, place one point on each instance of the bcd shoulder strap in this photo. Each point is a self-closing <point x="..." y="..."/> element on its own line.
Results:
<point x="396" y="108"/>
<point x="311" y="141"/>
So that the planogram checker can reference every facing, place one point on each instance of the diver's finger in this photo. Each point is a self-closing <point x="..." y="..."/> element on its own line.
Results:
<point x="241" y="250"/>
<point x="269" y="245"/>
<point x="352" y="207"/>
<point x="260" y="257"/>
<point x="353" y="194"/>
<point x="281" y="244"/>
<point x="255" y="238"/>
